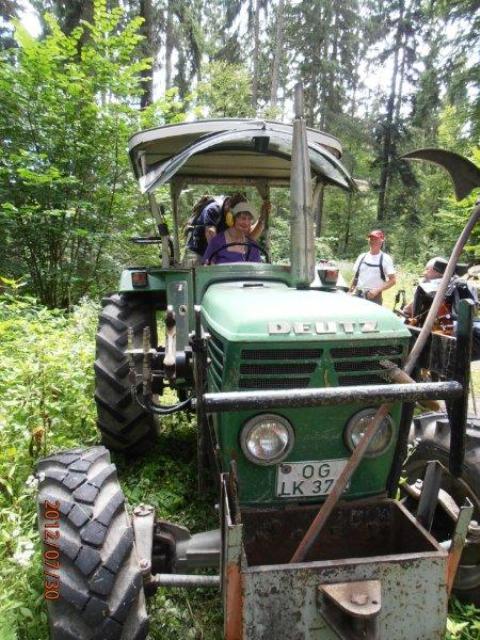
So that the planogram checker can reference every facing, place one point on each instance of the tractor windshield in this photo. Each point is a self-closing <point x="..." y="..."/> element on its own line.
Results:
<point x="235" y="153"/>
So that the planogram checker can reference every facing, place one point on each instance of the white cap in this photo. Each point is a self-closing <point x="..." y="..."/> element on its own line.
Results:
<point x="244" y="207"/>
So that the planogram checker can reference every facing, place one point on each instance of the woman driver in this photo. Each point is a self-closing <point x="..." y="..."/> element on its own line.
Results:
<point x="217" y="253"/>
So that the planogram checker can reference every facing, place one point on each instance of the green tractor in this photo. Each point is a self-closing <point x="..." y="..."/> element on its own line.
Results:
<point x="302" y="416"/>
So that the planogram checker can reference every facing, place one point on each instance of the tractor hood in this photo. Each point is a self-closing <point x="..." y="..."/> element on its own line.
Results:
<point x="231" y="149"/>
<point x="257" y="311"/>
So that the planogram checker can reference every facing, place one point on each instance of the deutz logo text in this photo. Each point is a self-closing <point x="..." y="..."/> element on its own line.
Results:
<point x="320" y="328"/>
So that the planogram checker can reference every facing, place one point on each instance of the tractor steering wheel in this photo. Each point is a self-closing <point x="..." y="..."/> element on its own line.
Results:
<point x="250" y="246"/>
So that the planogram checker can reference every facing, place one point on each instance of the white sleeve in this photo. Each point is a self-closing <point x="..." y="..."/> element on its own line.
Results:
<point x="388" y="265"/>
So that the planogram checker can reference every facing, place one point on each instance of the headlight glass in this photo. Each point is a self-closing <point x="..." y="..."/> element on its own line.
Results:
<point x="267" y="439"/>
<point x="357" y="425"/>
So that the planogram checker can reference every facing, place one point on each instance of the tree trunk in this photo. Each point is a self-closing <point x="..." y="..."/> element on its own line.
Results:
<point x="388" y="134"/>
<point x="73" y="12"/>
<point x="256" y="53"/>
<point x="348" y="222"/>
<point x="333" y="104"/>
<point x="169" y="46"/>
<point x="277" y="55"/>
<point x="148" y="50"/>
<point x="70" y="15"/>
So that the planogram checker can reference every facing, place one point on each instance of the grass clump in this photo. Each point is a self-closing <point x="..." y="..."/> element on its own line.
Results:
<point x="46" y="390"/>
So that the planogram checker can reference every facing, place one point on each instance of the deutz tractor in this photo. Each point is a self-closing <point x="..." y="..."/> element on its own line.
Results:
<point x="304" y="399"/>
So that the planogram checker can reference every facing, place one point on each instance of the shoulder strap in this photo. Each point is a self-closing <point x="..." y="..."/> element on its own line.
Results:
<point x="355" y="278"/>
<point x="382" y="272"/>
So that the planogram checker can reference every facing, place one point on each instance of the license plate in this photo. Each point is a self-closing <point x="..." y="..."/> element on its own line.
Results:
<point x="302" y="479"/>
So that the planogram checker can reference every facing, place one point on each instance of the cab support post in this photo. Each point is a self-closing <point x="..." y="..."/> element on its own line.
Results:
<point x="458" y="408"/>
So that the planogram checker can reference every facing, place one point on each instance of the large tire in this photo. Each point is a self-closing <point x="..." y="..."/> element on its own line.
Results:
<point x="101" y="589"/>
<point x="124" y="425"/>
<point x="430" y="437"/>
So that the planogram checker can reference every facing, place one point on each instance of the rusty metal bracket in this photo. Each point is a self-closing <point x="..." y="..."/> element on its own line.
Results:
<point x="198" y="342"/>
<point x="186" y="581"/>
<point x="448" y="504"/>
<point x="143" y="520"/>
<point x="458" y="542"/>
<point x="394" y="374"/>
<point x="169" y="359"/>
<point x="429" y="496"/>
<point x="352" y="608"/>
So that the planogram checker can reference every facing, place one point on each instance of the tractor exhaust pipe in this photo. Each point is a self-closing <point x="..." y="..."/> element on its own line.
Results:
<point x="302" y="242"/>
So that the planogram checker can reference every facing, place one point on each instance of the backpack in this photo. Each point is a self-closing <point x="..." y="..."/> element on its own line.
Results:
<point x="379" y="265"/>
<point x="197" y="209"/>
<point x="458" y="290"/>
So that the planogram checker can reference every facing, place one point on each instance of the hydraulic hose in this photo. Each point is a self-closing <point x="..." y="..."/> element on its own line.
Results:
<point x="159" y="409"/>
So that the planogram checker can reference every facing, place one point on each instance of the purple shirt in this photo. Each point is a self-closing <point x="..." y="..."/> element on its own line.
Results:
<point x="225" y="255"/>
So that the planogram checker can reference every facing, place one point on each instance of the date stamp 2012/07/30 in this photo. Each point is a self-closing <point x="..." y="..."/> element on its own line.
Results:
<point x="51" y="553"/>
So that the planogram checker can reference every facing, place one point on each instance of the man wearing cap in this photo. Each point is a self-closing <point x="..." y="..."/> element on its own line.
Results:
<point x="374" y="270"/>
<point x="223" y="247"/>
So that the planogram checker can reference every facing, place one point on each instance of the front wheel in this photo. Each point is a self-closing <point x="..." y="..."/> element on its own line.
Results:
<point x="93" y="582"/>
<point x="124" y="425"/>
<point x="430" y="437"/>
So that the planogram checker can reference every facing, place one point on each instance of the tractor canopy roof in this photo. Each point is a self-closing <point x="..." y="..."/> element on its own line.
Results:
<point x="233" y="151"/>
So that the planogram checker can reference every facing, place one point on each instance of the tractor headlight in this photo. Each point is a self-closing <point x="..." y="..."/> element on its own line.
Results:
<point x="267" y="439"/>
<point x="357" y="426"/>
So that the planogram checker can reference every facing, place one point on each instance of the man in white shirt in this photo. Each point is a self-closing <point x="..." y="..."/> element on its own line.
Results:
<point x="373" y="271"/>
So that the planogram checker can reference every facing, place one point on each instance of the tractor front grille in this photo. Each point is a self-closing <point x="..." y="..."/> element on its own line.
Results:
<point x="273" y="383"/>
<point x="351" y="381"/>
<point x="286" y="366"/>
<point x="371" y="350"/>
<point x="277" y="368"/>
<point x="361" y="364"/>
<point x="216" y="353"/>
<point x="293" y="372"/>
<point x="281" y="354"/>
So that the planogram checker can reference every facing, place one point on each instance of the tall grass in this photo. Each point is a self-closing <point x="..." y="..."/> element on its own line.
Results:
<point x="46" y="403"/>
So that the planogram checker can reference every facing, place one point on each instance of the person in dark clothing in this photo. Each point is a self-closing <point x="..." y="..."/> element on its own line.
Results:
<point x="210" y="220"/>
<point x="457" y="290"/>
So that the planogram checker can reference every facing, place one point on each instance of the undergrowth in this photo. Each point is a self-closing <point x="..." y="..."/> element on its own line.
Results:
<point x="46" y="404"/>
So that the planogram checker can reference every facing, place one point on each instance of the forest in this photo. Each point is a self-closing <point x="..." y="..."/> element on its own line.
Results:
<point x="77" y="79"/>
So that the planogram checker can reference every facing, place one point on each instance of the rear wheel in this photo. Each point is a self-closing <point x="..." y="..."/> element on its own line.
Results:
<point x="124" y="425"/>
<point x="93" y="583"/>
<point x="430" y="435"/>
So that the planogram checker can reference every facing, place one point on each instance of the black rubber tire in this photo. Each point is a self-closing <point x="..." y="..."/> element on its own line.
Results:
<point x="430" y="436"/>
<point x="101" y="593"/>
<point x="123" y="424"/>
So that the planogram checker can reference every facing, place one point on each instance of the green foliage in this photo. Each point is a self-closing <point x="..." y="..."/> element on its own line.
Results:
<point x="463" y="623"/>
<point x="225" y="91"/>
<point x="169" y="109"/>
<point x="63" y="177"/>
<point x="166" y="478"/>
<point x="45" y="404"/>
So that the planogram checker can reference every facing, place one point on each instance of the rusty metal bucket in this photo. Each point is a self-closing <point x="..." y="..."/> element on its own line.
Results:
<point x="375" y="573"/>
